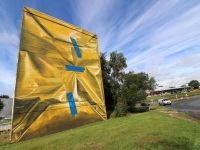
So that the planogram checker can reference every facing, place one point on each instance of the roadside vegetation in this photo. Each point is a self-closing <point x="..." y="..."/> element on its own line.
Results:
<point x="5" y="121"/>
<point x="158" y="129"/>
<point x="123" y="90"/>
<point x="135" y="128"/>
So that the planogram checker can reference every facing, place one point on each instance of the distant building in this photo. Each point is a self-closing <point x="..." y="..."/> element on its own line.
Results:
<point x="7" y="109"/>
<point x="170" y="90"/>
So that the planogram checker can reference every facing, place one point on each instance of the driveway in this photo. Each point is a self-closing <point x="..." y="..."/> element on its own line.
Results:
<point x="187" y="105"/>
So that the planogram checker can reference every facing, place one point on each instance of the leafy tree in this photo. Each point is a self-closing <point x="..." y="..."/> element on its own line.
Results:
<point x="135" y="86"/>
<point x="117" y="64"/>
<point x="1" y="105"/>
<point x="121" y="108"/>
<point x="123" y="91"/>
<point x="194" y="83"/>
<point x="106" y="82"/>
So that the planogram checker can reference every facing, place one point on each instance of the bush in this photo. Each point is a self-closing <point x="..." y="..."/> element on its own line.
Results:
<point x="121" y="108"/>
<point x="139" y="109"/>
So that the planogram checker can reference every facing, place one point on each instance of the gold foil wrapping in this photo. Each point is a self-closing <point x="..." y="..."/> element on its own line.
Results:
<point x="41" y="105"/>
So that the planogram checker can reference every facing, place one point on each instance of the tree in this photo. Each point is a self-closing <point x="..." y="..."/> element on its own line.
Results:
<point x="1" y="105"/>
<point x="105" y="68"/>
<point x="194" y="83"/>
<point x="135" y="86"/>
<point x="4" y="96"/>
<point x="117" y="64"/>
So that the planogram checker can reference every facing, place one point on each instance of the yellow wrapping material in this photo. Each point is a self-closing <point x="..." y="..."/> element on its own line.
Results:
<point x="41" y="104"/>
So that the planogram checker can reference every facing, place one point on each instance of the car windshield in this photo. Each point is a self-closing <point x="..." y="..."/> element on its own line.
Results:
<point x="165" y="99"/>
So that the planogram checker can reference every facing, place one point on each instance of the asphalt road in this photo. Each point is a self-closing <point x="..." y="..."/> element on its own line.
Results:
<point x="187" y="106"/>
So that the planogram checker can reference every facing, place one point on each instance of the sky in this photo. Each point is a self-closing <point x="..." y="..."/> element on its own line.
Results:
<point x="158" y="37"/>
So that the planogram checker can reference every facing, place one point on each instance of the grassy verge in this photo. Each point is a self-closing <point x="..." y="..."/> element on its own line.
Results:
<point x="5" y="121"/>
<point x="158" y="129"/>
<point x="195" y="112"/>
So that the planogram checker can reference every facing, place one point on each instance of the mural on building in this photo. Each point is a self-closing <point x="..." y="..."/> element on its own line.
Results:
<point x="59" y="82"/>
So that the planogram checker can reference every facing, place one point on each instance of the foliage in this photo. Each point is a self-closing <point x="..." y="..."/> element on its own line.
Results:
<point x="4" y="96"/>
<point x="112" y="74"/>
<point x="123" y="91"/>
<point x="194" y="83"/>
<point x="121" y="107"/>
<point x="1" y="105"/>
<point x="106" y="82"/>
<point x="135" y="86"/>
<point x="117" y="64"/>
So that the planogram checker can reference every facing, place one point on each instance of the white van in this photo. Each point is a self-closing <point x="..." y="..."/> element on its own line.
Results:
<point x="164" y="102"/>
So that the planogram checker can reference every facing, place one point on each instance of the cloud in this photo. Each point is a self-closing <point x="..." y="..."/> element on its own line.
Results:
<point x="9" y="42"/>
<point x="152" y="35"/>
<point x="157" y="37"/>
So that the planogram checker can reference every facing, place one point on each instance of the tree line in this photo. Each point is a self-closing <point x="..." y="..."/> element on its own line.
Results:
<point x="123" y="90"/>
<point x="4" y="96"/>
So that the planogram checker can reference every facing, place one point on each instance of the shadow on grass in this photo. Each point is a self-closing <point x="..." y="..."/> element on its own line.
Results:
<point x="139" y="109"/>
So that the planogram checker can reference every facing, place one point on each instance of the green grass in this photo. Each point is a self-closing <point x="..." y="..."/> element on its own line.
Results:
<point x="159" y="129"/>
<point x="5" y="121"/>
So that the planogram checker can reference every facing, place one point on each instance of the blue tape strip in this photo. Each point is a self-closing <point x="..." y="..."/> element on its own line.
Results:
<point x="72" y="104"/>
<point x="78" y="52"/>
<point x="75" y="68"/>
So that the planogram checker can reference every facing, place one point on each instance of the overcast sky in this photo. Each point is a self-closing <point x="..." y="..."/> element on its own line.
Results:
<point x="159" y="37"/>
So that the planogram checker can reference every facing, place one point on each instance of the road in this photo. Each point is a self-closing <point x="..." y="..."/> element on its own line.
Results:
<point x="187" y="106"/>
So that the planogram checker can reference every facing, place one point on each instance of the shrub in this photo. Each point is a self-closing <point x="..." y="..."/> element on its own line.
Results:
<point x="121" y="108"/>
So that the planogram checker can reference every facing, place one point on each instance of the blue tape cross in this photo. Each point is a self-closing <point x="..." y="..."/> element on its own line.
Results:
<point x="70" y="96"/>
<point x="76" y="48"/>
<point x="72" y="104"/>
<point x="75" y="68"/>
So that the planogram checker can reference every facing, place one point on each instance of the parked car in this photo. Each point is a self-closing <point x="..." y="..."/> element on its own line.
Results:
<point x="164" y="102"/>
<point x="144" y="104"/>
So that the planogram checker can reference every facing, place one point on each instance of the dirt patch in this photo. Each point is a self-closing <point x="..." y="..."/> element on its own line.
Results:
<point x="180" y="115"/>
<point x="194" y="114"/>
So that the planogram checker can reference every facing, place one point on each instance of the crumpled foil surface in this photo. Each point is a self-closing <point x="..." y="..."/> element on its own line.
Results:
<point x="43" y="84"/>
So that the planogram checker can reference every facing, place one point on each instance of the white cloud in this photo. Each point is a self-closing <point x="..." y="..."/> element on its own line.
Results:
<point x="9" y="42"/>
<point x="158" y="37"/>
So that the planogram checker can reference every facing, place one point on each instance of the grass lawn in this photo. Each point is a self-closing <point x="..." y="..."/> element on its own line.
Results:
<point x="159" y="129"/>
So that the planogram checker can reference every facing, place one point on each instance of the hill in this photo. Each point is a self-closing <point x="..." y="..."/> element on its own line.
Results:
<point x="159" y="129"/>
